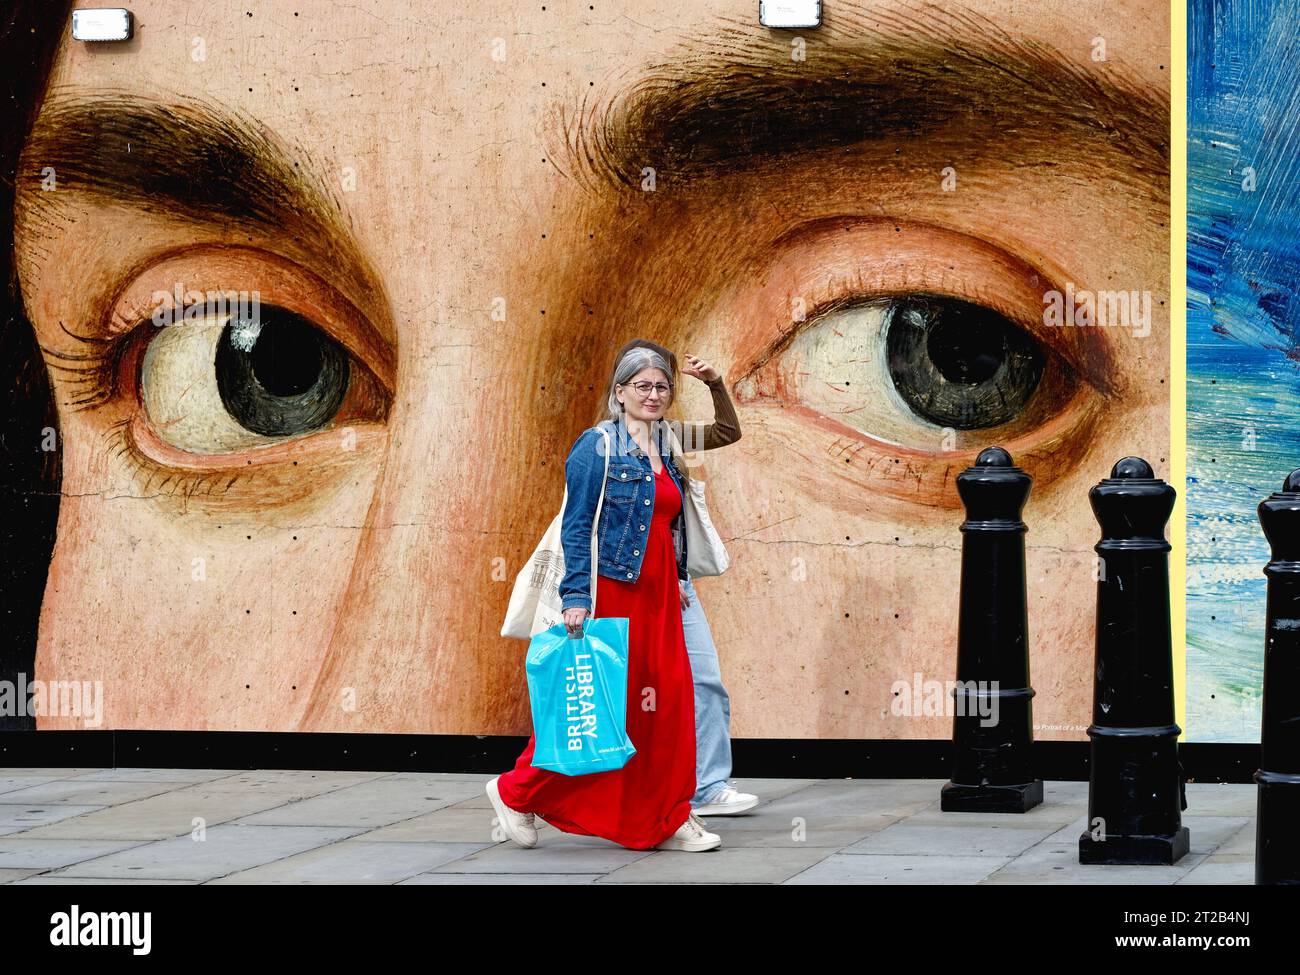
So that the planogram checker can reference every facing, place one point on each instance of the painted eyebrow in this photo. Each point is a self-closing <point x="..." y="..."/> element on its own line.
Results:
<point x="731" y="105"/>
<point x="194" y="161"/>
<point x="185" y="160"/>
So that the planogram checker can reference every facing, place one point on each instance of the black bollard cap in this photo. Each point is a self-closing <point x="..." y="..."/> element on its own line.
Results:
<point x="1132" y="503"/>
<point x="1130" y="469"/>
<point x="994" y="457"/>
<point x="993" y="490"/>
<point x="1279" y="515"/>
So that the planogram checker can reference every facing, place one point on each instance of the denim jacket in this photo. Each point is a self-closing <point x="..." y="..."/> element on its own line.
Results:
<point x="625" y="515"/>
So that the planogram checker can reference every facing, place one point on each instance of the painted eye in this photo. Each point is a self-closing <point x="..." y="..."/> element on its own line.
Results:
<point x="957" y="364"/>
<point x="225" y="382"/>
<point x="904" y="369"/>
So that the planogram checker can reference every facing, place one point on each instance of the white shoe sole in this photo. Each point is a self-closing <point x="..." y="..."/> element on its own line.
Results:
<point x="709" y="809"/>
<point x="695" y="846"/>
<point x="503" y="816"/>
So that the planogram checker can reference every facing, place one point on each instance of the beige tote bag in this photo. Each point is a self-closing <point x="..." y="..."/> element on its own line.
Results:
<point x="705" y="553"/>
<point x="535" y="602"/>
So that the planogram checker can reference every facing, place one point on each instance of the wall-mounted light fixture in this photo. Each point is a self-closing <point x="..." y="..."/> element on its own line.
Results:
<point x="101" y="24"/>
<point x="790" y="13"/>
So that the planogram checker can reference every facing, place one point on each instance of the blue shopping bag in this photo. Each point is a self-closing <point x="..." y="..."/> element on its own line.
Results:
<point x="578" y="691"/>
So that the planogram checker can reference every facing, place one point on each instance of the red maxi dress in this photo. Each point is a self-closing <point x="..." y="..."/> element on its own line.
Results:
<point x="644" y="802"/>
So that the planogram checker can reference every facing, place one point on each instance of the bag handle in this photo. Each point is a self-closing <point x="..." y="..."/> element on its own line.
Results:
<point x="595" y="525"/>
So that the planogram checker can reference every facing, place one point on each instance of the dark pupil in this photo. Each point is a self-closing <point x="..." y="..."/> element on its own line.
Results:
<point x="962" y="355"/>
<point x="959" y="364"/>
<point x="287" y="359"/>
<point x="284" y="378"/>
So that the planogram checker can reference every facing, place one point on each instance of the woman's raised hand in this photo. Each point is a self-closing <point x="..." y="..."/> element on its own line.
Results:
<point x="700" y="369"/>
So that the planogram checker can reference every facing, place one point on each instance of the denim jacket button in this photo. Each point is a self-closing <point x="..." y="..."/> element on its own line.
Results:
<point x="629" y="575"/>
<point x="647" y="477"/>
<point x="624" y="474"/>
<point x="641" y="528"/>
<point x="636" y="551"/>
<point x="647" y="500"/>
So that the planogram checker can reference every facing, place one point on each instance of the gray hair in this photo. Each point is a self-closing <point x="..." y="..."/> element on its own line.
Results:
<point x="633" y="362"/>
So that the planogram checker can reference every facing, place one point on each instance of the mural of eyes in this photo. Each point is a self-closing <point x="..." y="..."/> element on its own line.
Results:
<point x="227" y="382"/>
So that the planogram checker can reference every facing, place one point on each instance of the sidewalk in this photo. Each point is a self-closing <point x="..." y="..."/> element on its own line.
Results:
<point x="188" y="826"/>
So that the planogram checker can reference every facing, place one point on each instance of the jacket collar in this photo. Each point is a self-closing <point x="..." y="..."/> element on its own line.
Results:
<point x="625" y="443"/>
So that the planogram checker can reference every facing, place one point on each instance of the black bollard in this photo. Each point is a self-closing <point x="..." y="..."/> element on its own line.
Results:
<point x="992" y="766"/>
<point x="1136" y="790"/>
<point x="1277" y="819"/>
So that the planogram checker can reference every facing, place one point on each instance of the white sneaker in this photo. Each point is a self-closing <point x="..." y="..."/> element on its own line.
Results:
<point x="520" y="827"/>
<point x="728" y="802"/>
<point x="691" y="837"/>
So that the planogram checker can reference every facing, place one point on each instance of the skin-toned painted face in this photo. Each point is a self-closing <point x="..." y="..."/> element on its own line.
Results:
<point x="307" y="513"/>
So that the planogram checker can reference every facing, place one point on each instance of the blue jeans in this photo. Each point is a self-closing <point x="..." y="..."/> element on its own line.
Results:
<point x="712" y="706"/>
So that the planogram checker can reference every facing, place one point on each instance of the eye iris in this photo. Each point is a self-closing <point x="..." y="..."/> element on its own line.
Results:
<point x="958" y="364"/>
<point x="280" y="375"/>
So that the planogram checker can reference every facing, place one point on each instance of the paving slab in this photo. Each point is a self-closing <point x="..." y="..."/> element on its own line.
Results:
<point x="350" y="862"/>
<point x="904" y="838"/>
<point x="854" y="868"/>
<point x="815" y="836"/>
<point x="225" y="849"/>
<point x="88" y="793"/>
<point x="13" y="783"/>
<point x="1051" y="813"/>
<point x="9" y="875"/>
<point x="21" y="816"/>
<point x="55" y="773"/>
<point x="817" y="802"/>
<point x="50" y="880"/>
<point x="554" y="854"/>
<point x="807" y="818"/>
<point x="450" y="824"/>
<point x="159" y="774"/>
<point x="736" y="865"/>
<point x="369" y="804"/>
<point x="1240" y="844"/>
<point x="1221" y="799"/>
<point x="311" y="782"/>
<point x="513" y="879"/>
<point x="1215" y="872"/>
<point x="21" y="852"/>
<point x="1209" y="833"/>
<point x="173" y="813"/>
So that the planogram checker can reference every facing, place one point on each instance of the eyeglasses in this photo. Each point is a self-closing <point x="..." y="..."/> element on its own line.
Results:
<point x="643" y="388"/>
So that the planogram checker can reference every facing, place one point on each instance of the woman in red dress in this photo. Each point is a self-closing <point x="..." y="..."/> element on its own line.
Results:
<point x="646" y="803"/>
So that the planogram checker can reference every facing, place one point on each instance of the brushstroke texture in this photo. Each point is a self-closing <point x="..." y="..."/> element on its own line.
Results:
<point x="1243" y="262"/>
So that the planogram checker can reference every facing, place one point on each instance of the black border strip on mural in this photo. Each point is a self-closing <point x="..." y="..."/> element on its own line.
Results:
<point x="753" y="757"/>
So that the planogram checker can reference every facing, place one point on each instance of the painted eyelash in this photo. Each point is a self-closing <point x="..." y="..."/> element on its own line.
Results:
<point x="95" y="370"/>
<point x="173" y="483"/>
<point x="849" y="289"/>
